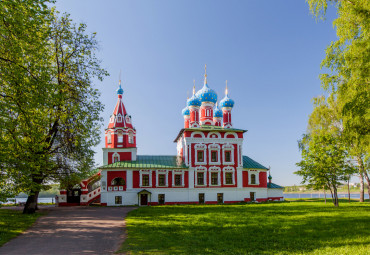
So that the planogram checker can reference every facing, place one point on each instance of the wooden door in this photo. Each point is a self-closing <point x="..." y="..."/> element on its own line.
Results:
<point x="252" y="196"/>
<point x="144" y="199"/>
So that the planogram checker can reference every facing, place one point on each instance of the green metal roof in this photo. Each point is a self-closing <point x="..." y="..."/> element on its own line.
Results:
<point x="250" y="163"/>
<point x="162" y="162"/>
<point x="274" y="186"/>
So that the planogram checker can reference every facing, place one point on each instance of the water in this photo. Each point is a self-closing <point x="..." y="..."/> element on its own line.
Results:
<point x="24" y="199"/>
<point x="321" y="195"/>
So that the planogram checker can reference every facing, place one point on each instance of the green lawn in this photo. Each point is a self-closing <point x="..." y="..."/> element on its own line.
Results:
<point x="13" y="222"/>
<point x="270" y="228"/>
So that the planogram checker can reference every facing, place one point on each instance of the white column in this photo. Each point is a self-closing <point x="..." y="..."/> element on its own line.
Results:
<point x="191" y="178"/>
<point x="239" y="173"/>
<point x="129" y="179"/>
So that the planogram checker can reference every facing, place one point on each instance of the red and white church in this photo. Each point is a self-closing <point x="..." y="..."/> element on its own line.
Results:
<point x="209" y="167"/>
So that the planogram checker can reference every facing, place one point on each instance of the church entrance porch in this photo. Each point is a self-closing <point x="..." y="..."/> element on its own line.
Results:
<point x="144" y="197"/>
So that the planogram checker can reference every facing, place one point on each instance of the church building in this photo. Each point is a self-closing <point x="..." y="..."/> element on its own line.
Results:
<point x="209" y="167"/>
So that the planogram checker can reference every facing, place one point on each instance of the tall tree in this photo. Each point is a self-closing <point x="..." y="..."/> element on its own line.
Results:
<point x="348" y="63"/>
<point x="323" y="162"/>
<point x="325" y="159"/>
<point x="49" y="108"/>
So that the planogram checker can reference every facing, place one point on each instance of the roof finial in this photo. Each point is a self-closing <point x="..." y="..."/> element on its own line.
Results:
<point x="193" y="87"/>
<point x="205" y="74"/>
<point x="119" y="78"/>
<point x="226" y="90"/>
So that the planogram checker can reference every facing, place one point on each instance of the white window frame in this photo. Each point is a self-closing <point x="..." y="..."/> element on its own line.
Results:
<point x="158" y="172"/>
<point x="200" y="147"/>
<point x="109" y="137"/>
<point x="214" y="147"/>
<point x="214" y="170"/>
<point x="128" y="119"/>
<point x="119" y="136"/>
<point x="141" y="177"/>
<point x="255" y="172"/>
<point x="201" y="170"/>
<point x="229" y="170"/>
<point x="119" y="118"/>
<point x="228" y="147"/>
<point x="130" y="138"/>
<point x="178" y="172"/>
<point x="115" y="155"/>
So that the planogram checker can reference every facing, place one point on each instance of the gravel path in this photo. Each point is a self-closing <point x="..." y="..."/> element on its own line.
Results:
<point x="72" y="230"/>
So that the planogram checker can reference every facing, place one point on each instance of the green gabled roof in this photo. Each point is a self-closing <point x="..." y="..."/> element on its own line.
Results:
<point x="274" y="186"/>
<point x="250" y="163"/>
<point x="142" y="162"/>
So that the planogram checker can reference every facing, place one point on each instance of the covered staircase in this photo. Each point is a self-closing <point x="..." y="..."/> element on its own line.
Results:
<point x="88" y="193"/>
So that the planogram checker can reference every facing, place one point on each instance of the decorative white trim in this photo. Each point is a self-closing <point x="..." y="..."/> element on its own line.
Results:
<point x="178" y="172"/>
<point x="119" y="136"/>
<point x="200" y="147"/>
<point x="119" y="118"/>
<point x="215" y="135"/>
<point x="109" y="137"/>
<point x="158" y="172"/>
<point x="257" y="174"/>
<point x="115" y="155"/>
<point x="197" y="133"/>
<point x="217" y="170"/>
<point x="217" y="148"/>
<point x="149" y="172"/>
<point x="200" y="169"/>
<point x="231" y="170"/>
<point x="231" y="133"/>
<point x="228" y="147"/>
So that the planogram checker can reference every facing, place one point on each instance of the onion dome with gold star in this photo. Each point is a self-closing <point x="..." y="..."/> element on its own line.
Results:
<point x="226" y="101"/>
<point x="194" y="100"/>
<point x="217" y="112"/>
<point x="206" y="94"/>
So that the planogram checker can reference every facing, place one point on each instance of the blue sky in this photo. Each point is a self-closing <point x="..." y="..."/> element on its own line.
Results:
<point x="269" y="51"/>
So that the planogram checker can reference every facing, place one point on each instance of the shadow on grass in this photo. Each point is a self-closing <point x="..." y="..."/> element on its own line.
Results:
<point x="253" y="228"/>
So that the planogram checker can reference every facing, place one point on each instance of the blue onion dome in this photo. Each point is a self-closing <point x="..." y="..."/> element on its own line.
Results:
<point x="194" y="101"/>
<point x="185" y="111"/>
<point x="217" y="112"/>
<point x="206" y="94"/>
<point x="227" y="102"/>
<point x="120" y="90"/>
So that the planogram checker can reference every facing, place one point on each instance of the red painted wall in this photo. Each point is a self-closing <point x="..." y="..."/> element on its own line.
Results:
<point x="123" y="156"/>
<point x="113" y="174"/>
<point x="136" y="179"/>
<point x="262" y="179"/>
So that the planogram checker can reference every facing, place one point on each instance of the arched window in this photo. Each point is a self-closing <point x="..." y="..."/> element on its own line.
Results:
<point x="130" y="138"/>
<point x="120" y="136"/>
<point x="115" y="158"/>
<point x="118" y="181"/>
<point x="253" y="179"/>
<point x="109" y="137"/>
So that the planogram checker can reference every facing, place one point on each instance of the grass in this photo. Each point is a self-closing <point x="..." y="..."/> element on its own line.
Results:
<point x="302" y="227"/>
<point x="13" y="223"/>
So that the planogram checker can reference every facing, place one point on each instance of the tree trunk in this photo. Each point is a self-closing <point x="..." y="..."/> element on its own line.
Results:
<point x="368" y="183"/>
<point x="349" y="193"/>
<point x="335" y="200"/>
<point x="31" y="204"/>
<point x="361" y="187"/>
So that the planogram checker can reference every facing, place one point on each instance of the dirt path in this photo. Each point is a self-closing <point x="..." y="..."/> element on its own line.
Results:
<point x="72" y="230"/>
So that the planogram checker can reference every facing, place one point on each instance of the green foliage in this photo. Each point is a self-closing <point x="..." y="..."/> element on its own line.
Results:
<point x="49" y="108"/>
<point x="271" y="228"/>
<point x="347" y="79"/>
<point x="13" y="223"/>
